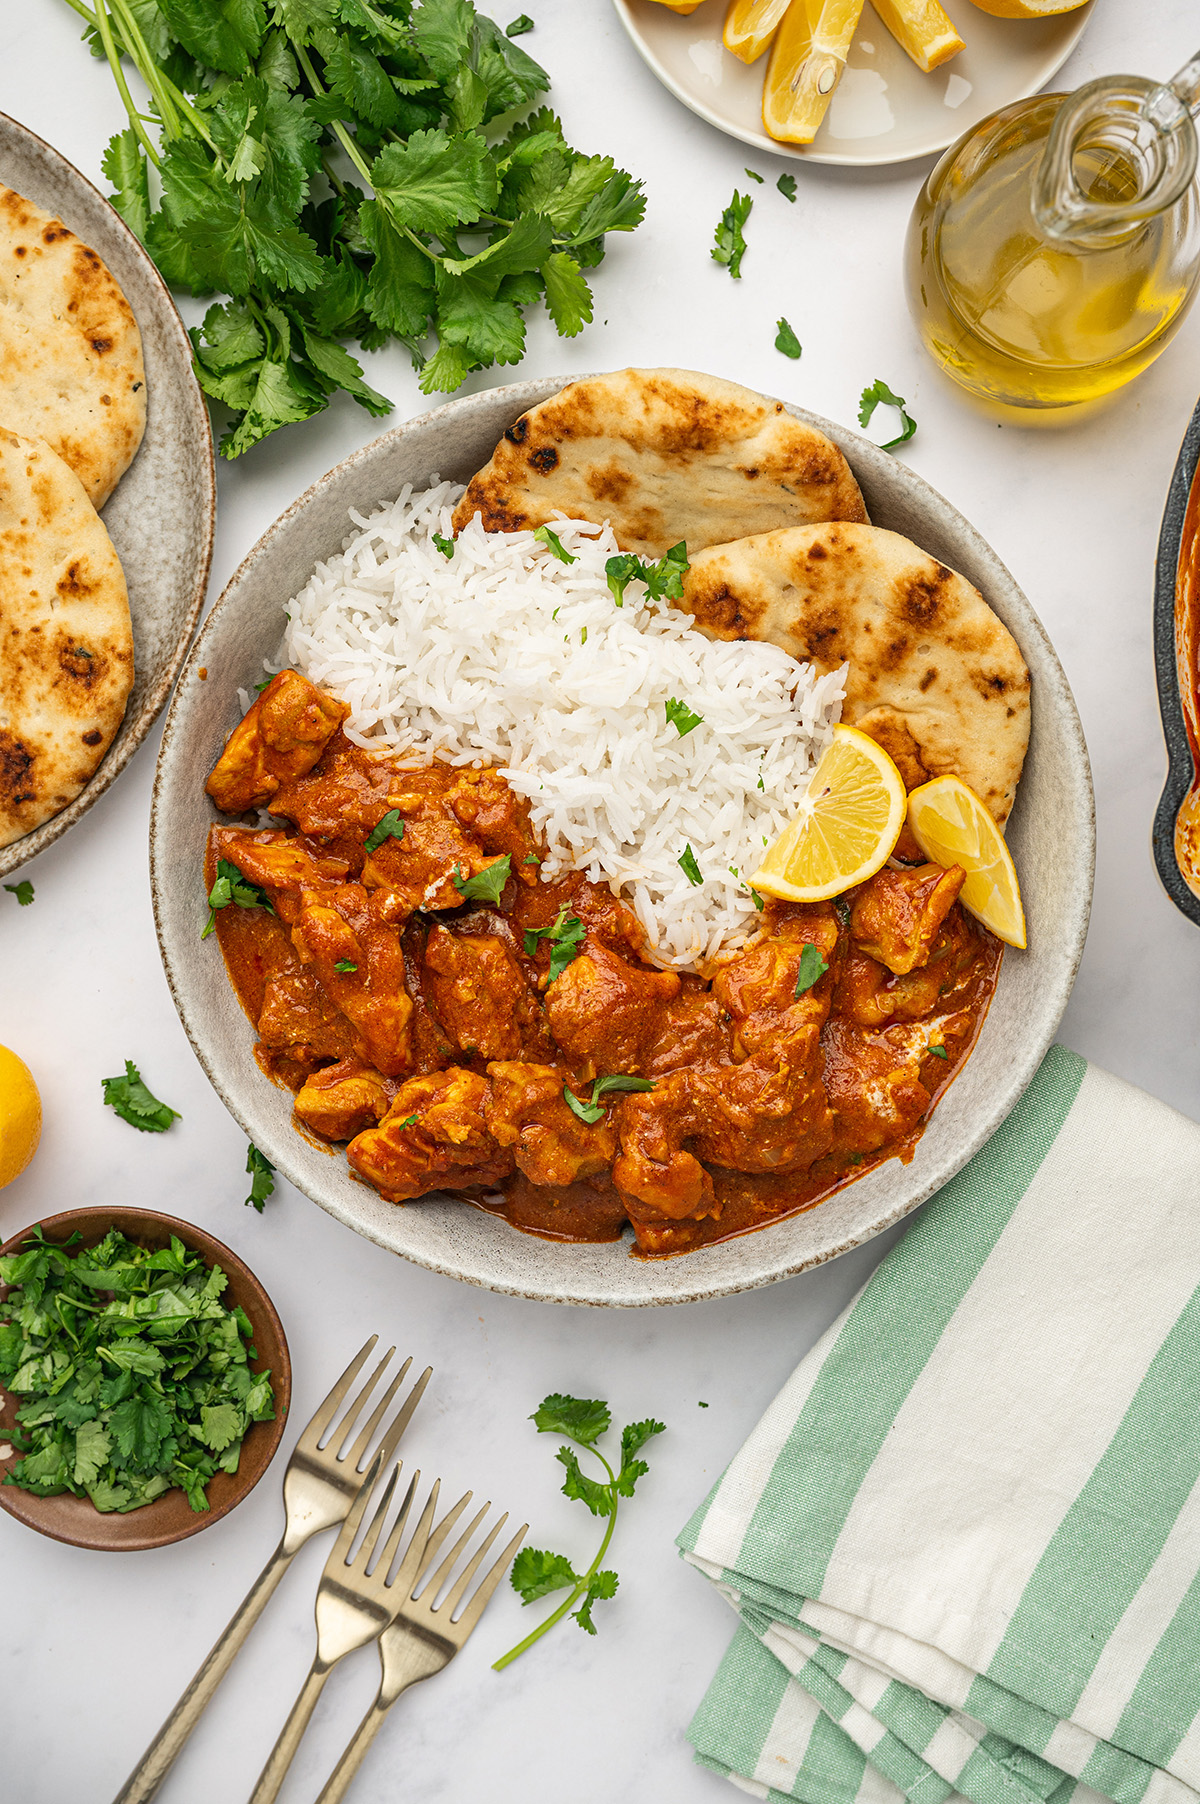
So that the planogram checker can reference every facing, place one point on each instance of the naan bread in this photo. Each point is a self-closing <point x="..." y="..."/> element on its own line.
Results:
<point x="70" y="351"/>
<point x="663" y="455"/>
<point x="934" y="676"/>
<point x="66" y="645"/>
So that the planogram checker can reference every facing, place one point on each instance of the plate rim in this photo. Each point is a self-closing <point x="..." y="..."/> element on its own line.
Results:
<point x="125" y="744"/>
<point x="281" y="1142"/>
<point x="1181" y="768"/>
<point x="830" y="159"/>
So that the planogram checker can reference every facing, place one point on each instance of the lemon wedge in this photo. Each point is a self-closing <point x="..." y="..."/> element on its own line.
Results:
<point x="922" y="29"/>
<point x="807" y="59"/>
<point x="846" y="825"/>
<point x="952" y="826"/>
<point x="1027" y="9"/>
<point x="750" y="25"/>
<point x="20" y="1116"/>
<point x="680" y="6"/>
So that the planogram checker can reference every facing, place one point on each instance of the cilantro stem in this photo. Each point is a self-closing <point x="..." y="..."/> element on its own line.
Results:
<point x="581" y="1588"/>
<point x="104" y="26"/>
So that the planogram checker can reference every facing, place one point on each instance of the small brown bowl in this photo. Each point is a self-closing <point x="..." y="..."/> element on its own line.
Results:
<point x="170" y="1517"/>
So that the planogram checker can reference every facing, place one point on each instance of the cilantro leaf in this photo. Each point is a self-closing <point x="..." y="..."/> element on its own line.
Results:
<point x="787" y="186"/>
<point x="620" y="1082"/>
<point x="23" y="891"/>
<point x="621" y="571"/>
<point x="519" y="26"/>
<point x="601" y="1585"/>
<point x="220" y="1424"/>
<point x="129" y="1098"/>
<point x="554" y="544"/>
<point x="568" y="297"/>
<point x="435" y="181"/>
<point x="729" y="245"/>
<point x="681" y="717"/>
<point x="536" y="1574"/>
<point x="486" y="885"/>
<point x="665" y="578"/>
<point x="124" y="163"/>
<point x="565" y="936"/>
<point x="582" y="1419"/>
<point x="939" y="1052"/>
<point x="754" y="175"/>
<point x="880" y="394"/>
<point x="262" y="1178"/>
<point x="786" y="340"/>
<point x="232" y="887"/>
<point x="445" y="546"/>
<point x="346" y="966"/>
<point x="590" y="1112"/>
<point x="390" y="827"/>
<point x="689" y="867"/>
<point x="757" y="900"/>
<point x="579" y="1487"/>
<point x="812" y="969"/>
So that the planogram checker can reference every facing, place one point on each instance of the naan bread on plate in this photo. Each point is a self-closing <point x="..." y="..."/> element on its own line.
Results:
<point x="66" y="644"/>
<point x="70" y="351"/>
<point x="663" y="455"/>
<point x="934" y="675"/>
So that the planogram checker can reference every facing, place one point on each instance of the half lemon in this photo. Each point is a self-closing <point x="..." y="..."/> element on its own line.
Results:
<point x="952" y="826"/>
<point x="846" y="826"/>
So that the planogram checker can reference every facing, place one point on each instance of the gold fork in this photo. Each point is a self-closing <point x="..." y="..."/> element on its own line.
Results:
<point x="320" y="1485"/>
<point x="424" y="1637"/>
<point x="355" y="1605"/>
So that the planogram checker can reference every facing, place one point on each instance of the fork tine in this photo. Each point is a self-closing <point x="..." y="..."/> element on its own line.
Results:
<point x="362" y="1558"/>
<point x="488" y="1583"/>
<point x="405" y="1413"/>
<point x="384" y="1562"/>
<point x="447" y="1566"/>
<point x="341" y="1547"/>
<point x="324" y="1414"/>
<point x="416" y="1556"/>
<point x="469" y="1570"/>
<point x="341" y="1434"/>
<point x="439" y="1534"/>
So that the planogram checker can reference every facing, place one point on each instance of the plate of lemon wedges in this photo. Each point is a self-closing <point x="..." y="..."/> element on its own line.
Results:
<point x="848" y="81"/>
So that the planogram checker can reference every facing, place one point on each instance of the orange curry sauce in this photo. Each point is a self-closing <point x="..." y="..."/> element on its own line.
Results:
<point x="426" y="1031"/>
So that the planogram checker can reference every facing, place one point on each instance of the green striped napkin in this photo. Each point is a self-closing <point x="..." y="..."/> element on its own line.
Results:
<point x="964" y="1540"/>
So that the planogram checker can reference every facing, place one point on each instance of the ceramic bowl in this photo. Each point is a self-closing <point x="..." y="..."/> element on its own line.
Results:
<point x="1177" y="577"/>
<point x="162" y="514"/>
<point x="1051" y="834"/>
<point x="170" y="1517"/>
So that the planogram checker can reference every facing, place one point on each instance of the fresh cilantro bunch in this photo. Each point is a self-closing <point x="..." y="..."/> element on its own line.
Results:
<point x="537" y="1573"/>
<point x="349" y="169"/>
<point x="135" y="1377"/>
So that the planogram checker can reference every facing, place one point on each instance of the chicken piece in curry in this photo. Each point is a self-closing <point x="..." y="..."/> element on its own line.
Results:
<point x="470" y="1029"/>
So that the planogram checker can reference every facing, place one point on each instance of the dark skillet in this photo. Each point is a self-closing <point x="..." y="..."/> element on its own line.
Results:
<point x="1184" y="772"/>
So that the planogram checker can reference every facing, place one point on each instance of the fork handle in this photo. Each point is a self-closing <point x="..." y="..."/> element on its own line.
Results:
<point x="167" y="1745"/>
<point x="284" y="1751"/>
<point x="338" y="1782"/>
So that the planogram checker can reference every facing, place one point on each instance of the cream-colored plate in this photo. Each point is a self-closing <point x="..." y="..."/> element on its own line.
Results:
<point x="885" y="110"/>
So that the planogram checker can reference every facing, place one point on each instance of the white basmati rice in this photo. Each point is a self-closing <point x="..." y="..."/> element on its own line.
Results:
<point x="503" y="655"/>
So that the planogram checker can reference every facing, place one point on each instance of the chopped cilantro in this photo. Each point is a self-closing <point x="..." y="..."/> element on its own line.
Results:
<point x="23" y="891"/>
<point x="346" y="966"/>
<point x="812" y="969"/>
<point x="939" y="1052"/>
<point x="586" y="1111"/>
<point x="390" y="827"/>
<point x="786" y="340"/>
<point x="134" y="1378"/>
<point x="265" y="684"/>
<point x="537" y="1573"/>
<point x="729" y="244"/>
<point x="531" y="858"/>
<point x="665" y="578"/>
<point x="680" y="716"/>
<point x="701" y="1405"/>
<point x="129" y="1098"/>
<point x="445" y="546"/>
<point x="757" y="900"/>
<point x="554" y="544"/>
<point x="689" y="867"/>
<point x="262" y="1178"/>
<point x="583" y="636"/>
<point x="565" y="936"/>
<point x="517" y="27"/>
<point x="879" y="394"/>
<point x="754" y="175"/>
<point x="231" y="886"/>
<point x="787" y="186"/>
<point x="485" y="885"/>
<point x="593" y="1110"/>
<point x="409" y="1121"/>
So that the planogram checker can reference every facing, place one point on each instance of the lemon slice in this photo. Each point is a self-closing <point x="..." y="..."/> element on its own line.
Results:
<point x="952" y="826"/>
<point x="922" y="29"/>
<point x="1027" y="9"/>
<point x="846" y="826"/>
<point x="680" y="6"/>
<point x="807" y="59"/>
<point x="750" y="25"/>
<point x="20" y="1116"/>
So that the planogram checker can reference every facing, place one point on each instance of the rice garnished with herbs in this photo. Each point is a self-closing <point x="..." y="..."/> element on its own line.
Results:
<point x="502" y="654"/>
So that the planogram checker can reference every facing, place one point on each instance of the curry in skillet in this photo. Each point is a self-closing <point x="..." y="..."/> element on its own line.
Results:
<point x="471" y="1029"/>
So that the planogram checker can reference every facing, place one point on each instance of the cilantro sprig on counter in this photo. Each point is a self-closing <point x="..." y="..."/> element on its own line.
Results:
<point x="128" y="1097"/>
<point x="23" y="891"/>
<point x="537" y="1573"/>
<point x="349" y="169"/>
<point x="786" y="340"/>
<point x="880" y="395"/>
<point x="729" y="243"/>
<point x="133" y="1376"/>
<point x="262" y="1178"/>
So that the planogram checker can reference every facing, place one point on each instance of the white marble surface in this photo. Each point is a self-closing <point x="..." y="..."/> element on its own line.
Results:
<point x="94" y="1648"/>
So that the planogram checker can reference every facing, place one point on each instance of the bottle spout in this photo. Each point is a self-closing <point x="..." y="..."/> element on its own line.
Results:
<point x="1120" y="151"/>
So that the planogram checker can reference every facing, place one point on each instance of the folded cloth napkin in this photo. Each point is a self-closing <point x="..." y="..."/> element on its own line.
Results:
<point x="964" y="1540"/>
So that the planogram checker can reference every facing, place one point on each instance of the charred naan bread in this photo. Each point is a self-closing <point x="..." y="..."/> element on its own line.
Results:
<point x="662" y="455"/>
<point x="70" y="351"/>
<point x="934" y="675"/>
<point x="66" y="646"/>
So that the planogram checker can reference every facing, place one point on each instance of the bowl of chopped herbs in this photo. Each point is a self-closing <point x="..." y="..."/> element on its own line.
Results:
<point x="144" y="1379"/>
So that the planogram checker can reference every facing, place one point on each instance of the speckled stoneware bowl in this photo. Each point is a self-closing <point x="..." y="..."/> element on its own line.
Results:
<point x="1052" y="837"/>
<point x="162" y="515"/>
